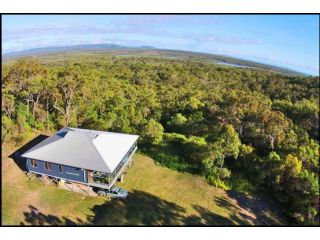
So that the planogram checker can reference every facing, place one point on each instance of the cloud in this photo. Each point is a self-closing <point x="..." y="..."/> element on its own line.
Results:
<point x="185" y="32"/>
<point x="137" y="24"/>
<point x="51" y="29"/>
<point x="161" y="20"/>
<point x="130" y="25"/>
<point x="147" y="26"/>
<point x="231" y="40"/>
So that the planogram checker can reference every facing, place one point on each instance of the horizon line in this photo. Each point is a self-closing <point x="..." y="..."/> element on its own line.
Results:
<point x="156" y="48"/>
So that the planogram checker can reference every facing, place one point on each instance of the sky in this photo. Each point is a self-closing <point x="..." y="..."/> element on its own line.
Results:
<point x="290" y="41"/>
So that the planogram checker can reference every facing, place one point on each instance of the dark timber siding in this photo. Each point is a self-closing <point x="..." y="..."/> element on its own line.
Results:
<point x="69" y="173"/>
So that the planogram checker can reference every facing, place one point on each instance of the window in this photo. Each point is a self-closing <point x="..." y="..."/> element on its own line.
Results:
<point x="60" y="168"/>
<point x="34" y="163"/>
<point x="47" y="166"/>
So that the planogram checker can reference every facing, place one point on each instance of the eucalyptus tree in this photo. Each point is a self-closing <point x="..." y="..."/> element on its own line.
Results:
<point x="66" y="91"/>
<point x="227" y="144"/>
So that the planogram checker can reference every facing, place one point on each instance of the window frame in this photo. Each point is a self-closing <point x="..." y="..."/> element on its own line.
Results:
<point x="60" y="169"/>
<point x="34" y="163"/>
<point x="48" y="166"/>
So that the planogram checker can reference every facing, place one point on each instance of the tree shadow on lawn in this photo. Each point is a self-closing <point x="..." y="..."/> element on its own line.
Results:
<point x="206" y="217"/>
<point x="37" y="218"/>
<point x="140" y="208"/>
<point x="258" y="206"/>
<point x="16" y="156"/>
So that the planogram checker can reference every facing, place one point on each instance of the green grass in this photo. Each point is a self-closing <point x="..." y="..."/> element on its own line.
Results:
<point x="168" y="156"/>
<point x="157" y="196"/>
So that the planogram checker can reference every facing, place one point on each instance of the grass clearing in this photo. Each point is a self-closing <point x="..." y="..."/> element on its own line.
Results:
<point x="157" y="196"/>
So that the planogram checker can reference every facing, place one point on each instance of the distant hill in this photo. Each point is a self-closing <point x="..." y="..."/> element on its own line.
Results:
<point x="150" y="51"/>
<point x="57" y="49"/>
<point x="81" y="47"/>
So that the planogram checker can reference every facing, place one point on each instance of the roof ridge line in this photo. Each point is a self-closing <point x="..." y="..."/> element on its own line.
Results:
<point x="91" y="140"/>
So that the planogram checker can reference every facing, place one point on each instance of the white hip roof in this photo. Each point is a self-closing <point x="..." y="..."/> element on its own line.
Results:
<point x="83" y="148"/>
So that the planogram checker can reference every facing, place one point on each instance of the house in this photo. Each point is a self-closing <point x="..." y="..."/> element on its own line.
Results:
<point x="94" y="158"/>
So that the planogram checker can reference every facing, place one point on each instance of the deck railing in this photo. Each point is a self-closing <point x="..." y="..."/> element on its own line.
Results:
<point x="107" y="180"/>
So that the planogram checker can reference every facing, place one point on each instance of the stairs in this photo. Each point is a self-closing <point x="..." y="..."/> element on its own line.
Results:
<point x="45" y="180"/>
<point x="77" y="187"/>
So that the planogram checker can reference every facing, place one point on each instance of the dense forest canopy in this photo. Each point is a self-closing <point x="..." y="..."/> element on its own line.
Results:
<point x="201" y="118"/>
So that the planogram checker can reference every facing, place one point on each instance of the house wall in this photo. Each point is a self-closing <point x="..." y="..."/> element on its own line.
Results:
<point x="68" y="173"/>
<point x="71" y="173"/>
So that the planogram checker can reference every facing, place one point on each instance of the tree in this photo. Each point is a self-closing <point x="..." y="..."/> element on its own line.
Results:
<point x="304" y="113"/>
<point x="24" y="122"/>
<point x="65" y="92"/>
<point x="8" y="103"/>
<point x="21" y="73"/>
<point x="227" y="145"/>
<point x="307" y="206"/>
<point x="292" y="166"/>
<point x="241" y="108"/>
<point x="152" y="132"/>
<point x="194" y="103"/>
<point x="309" y="155"/>
<point x="271" y="170"/>
<point x="214" y="174"/>
<point x="7" y="129"/>
<point x="177" y="122"/>
<point x="275" y="126"/>
<point x="37" y="89"/>
<point x="195" y="149"/>
<point x="201" y="110"/>
<point x="244" y="152"/>
<point x="21" y="77"/>
<point x="47" y="94"/>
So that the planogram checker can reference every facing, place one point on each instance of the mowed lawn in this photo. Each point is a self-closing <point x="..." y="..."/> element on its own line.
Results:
<point x="157" y="196"/>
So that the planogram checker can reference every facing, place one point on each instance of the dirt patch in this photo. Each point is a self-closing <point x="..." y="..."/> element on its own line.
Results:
<point x="256" y="209"/>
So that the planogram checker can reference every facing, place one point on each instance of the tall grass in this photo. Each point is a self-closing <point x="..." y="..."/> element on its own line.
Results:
<point x="168" y="156"/>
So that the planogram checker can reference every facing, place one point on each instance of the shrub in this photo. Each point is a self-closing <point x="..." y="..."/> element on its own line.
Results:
<point x="239" y="183"/>
<point x="218" y="183"/>
<point x="152" y="132"/>
<point x="7" y="129"/>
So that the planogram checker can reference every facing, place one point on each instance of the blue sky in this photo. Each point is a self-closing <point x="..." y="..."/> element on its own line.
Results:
<point x="290" y="41"/>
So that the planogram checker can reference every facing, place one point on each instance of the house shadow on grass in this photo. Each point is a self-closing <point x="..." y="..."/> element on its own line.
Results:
<point x="140" y="208"/>
<point x="16" y="156"/>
